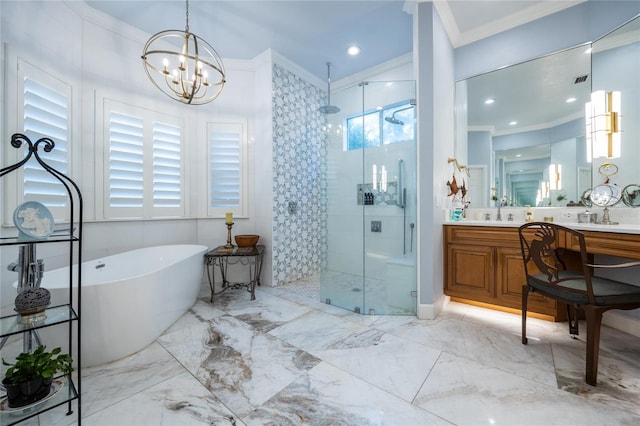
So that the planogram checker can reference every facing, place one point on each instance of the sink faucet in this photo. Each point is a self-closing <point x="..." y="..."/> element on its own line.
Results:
<point x="500" y="204"/>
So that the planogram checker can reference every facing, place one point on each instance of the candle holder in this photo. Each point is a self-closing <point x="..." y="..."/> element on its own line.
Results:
<point x="229" y="245"/>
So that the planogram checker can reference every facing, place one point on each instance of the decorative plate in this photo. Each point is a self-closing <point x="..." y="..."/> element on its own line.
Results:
<point x="33" y="220"/>
<point x="56" y="387"/>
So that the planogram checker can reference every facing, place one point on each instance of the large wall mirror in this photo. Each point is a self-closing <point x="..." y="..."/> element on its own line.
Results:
<point x="522" y="128"/>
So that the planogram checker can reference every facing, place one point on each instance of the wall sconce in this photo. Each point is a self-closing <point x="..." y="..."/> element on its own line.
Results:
<point x="374" y="176"/>
<point x="379" y="183"/>
<point x="603" y="132"/>
<point x="555" y="182"/>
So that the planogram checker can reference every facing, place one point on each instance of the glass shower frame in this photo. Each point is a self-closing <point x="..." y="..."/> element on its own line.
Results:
<point x="369" y="265"/>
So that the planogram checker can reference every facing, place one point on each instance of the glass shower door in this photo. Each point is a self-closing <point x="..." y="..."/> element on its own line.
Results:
<point x="389" y="274"/>
<point x="341" y="281"/>
<point x="369" y="265"/>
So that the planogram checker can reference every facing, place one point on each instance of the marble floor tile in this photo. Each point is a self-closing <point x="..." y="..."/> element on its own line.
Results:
<point x="391" y="363"/>
<point x="290" y="359"/>
<point x="200" y="312"/>
<point x="326" y="395"/>
<point x="181" y="400"/>
<point x="468" y="393"/>
<point x="618" y="376"/>
<point x="264" y="313"/>
<point x="317" y="330"/>
<point x="110" y="383"/>
<point x="242" y="366"/>
<point x="482" y="344"/>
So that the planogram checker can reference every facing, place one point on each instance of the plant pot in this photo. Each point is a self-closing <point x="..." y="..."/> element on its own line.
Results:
<point x="26" y="393"/>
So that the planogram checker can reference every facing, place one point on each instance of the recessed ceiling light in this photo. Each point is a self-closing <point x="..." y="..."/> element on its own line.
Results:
<point x="513" y="123"/>
<point x="489" y="101"/>
<point x="353" y="50"/>
<point x="518" y="155"/>
<point x="570" y="100"/>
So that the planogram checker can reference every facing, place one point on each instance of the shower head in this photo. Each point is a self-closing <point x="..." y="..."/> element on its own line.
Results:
<point x="328" y="108"/>
<point x="394" y="120"/>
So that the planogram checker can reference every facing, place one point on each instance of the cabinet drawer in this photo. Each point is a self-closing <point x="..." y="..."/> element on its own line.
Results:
<point x="483" y="235"/>
<point x="470" y="272"/>
<point x="622" y="245"/>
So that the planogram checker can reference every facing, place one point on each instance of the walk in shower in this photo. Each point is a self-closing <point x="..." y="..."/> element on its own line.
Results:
<point x="369" y="262"/>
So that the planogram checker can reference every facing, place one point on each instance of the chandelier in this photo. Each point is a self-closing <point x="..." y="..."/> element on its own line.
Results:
<point x="184" y="66"/>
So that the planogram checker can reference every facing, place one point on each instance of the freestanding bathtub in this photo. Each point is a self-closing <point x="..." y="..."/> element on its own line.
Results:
<point x="129" y="299"/>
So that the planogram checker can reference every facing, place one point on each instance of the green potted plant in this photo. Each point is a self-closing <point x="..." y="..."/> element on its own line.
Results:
<point x="29" y="379"/>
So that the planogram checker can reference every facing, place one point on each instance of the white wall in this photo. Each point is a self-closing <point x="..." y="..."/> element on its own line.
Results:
<point x="101" y="57"/>
<point x="434" y="64"/>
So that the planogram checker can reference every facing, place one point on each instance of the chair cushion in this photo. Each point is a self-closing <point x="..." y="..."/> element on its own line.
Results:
<point x="605" y="291"/>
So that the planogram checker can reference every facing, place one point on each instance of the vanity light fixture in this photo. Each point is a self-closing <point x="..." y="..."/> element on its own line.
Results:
<point x="184" y="66"/>
<point x="555" y="182"/>
<point x="602" y="117"/>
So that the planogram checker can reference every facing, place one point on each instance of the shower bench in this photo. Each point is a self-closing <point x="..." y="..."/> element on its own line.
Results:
<point x="222" y="257"/>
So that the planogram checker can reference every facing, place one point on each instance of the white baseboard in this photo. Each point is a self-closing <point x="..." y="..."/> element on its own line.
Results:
<point x="622" y="322"/>
<point x="431" y="311"/>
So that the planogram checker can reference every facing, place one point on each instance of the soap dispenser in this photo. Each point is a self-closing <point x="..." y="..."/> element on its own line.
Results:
<point x="528" y="216"/>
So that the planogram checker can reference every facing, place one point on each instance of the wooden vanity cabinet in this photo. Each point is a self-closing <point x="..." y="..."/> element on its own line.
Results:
<point x="483" y="265"/>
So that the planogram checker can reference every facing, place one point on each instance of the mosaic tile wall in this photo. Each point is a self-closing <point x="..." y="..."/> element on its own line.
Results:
<point x="299" y="178"/>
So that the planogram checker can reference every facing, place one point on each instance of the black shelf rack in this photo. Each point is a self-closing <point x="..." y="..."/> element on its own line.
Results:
<point x="56" y="316"/>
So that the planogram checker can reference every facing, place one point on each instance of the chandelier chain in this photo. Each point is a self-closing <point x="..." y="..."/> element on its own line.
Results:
<point x="187" y="15"/>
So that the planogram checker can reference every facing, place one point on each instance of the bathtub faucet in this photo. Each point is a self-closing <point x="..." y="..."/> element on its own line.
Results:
<point x="14" y="266"/>
<point x="30" y="270"/>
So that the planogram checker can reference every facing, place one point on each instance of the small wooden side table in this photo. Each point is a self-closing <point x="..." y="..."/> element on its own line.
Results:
<point x="222" y="257"/>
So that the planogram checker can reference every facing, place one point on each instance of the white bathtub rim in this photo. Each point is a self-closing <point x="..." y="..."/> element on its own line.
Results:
<point x="89" y="265"/>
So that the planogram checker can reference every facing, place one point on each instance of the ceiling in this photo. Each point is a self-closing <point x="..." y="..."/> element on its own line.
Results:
<point x="313" y="32"/>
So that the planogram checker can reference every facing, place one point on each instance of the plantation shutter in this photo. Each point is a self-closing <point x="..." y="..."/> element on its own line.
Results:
<point x="46" y="114"/>
<point x="126" y="174"/>
<point x="167" y="165"/>
<point x="225" y="159"/>
<point x="144" y="177"/>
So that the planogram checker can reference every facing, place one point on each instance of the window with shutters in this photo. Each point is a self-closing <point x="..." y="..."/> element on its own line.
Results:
<point x="44" y="111"/>
<point x="143" y="163"/>
<point x="227" y="146"/>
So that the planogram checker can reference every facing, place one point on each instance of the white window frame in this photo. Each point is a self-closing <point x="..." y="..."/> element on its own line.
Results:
<point x="147" y="210"/>
<point x="17" y="69"/>
<point x="238" y="126"/>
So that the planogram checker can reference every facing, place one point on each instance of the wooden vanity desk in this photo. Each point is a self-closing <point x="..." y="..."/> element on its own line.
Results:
<point x="483" y="264"/>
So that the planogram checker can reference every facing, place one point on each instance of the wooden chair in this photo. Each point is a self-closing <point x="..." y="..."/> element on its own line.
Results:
<point x="553" y="271"/>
